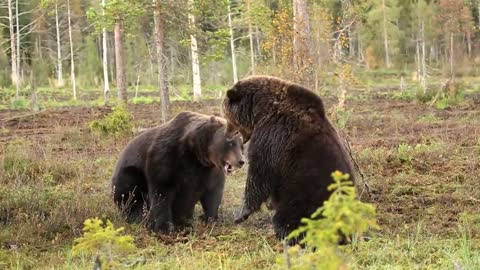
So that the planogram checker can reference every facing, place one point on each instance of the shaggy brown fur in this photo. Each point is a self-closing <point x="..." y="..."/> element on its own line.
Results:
<point x="293" y="148"/>
<point x="173" y="166"/>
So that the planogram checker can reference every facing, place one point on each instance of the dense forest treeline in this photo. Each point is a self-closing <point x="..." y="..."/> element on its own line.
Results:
<point x="190" y="44"/>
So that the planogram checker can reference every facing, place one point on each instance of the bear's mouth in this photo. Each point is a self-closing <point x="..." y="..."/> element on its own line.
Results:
<point x="227" y="168"/>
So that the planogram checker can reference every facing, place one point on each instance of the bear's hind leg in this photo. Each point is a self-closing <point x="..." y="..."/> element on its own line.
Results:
<point x="129" y="193"/>
<point x="160" y="214"/>
<point x="284" y="223"/>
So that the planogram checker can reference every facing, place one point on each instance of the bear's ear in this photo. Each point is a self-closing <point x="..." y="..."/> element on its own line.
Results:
<point x="235" y="94"/>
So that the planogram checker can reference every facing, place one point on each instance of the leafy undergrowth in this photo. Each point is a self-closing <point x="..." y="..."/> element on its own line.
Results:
<point x="422" y="165"/>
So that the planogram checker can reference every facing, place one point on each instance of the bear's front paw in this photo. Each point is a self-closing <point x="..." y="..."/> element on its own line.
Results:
<point x="209" y="220"/>
<point x="242" y="216"/>
<point x="162" y="227"/>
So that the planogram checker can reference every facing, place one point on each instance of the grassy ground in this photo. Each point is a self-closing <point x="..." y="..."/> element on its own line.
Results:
<point x="423" y="164"/>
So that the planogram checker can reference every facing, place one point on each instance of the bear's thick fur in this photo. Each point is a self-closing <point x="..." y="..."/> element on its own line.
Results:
<point x="293" y="148"/>
<point x="169" y="168"/>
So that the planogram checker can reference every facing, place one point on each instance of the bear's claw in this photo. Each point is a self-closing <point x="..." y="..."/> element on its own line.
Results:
<point x="244" y="214"/>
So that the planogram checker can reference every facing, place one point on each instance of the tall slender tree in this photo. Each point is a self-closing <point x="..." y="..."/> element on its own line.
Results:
<point x="60" y="82"/>
<point x="72" y="57"/>
<point x="232" y="45"/>
<point x="161" y="63"/>
<point x="106" y="84"/>
<point x="197" y="86"/>
<point x="302" y="51"/>
<point x="13" y="49"/>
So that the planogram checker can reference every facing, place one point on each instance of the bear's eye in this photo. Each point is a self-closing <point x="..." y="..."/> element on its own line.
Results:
<point x="230" y="144"/>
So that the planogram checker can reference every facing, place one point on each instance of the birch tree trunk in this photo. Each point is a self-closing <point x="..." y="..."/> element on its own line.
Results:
<point x="385" y="36"/>
<point x="423" y="78"/>
<point x="161" y="63"/>
<point x="106" y="85"/>
<point x="232" y="46"/>
<point x="72" y="60"/>
<point x="197" y="86"/>
<point x="250" y="35"/>
<point x="302" y="52"/>
<point x="120" y="63"/>
<point x="60" y="82"/>
<point x="17" y="19"/>
<point x="13" y="48"/>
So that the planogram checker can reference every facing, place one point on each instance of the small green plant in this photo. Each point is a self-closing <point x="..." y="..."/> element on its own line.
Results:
<point x="405" y="153"/>
<point x="343" y="116"/>
<point x="342" y="213"/>
<point x="103" y="241"/>
<point x="20" y="103"/>
<point x="405" y="95"/>
<point x="117" y="122"/>
<point x="442" y="104"/>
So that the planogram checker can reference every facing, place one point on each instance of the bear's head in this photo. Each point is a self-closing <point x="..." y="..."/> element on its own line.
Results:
<point x="213" y="147"/>
<point x="227" y="151"/>
<point x="259" y="98"/>
<point x="246" y="102"/>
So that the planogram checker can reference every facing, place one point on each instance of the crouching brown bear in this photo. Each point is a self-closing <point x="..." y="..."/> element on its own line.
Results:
<point x="293" y="149"/>
<point x="167" y="169"/>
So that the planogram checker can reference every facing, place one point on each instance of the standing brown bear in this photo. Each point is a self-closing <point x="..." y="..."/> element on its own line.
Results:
<point x="293" y="148"/>
<point x="173" y="166"/>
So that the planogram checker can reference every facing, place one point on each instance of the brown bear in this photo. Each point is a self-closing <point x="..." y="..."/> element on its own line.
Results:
<point x="293" y="149"/>
<point x="173" y="166"/>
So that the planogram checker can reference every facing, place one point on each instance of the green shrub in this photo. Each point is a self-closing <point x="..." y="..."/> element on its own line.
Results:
<point x="343" y="116"/>
<point x="104" y="241"/>
<point x="341" y="213"/>
<point x="19" y="104"/>
<point x="117" y="122"/>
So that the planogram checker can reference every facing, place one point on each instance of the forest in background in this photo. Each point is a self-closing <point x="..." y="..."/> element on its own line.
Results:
<point x="189" y="50"/>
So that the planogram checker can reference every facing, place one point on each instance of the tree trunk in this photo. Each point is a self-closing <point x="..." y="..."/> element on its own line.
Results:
<point x="232" y="46"/>
<point x="257" y="41"/>
<point x="197" y="86"/>
<point x="351" y="43"/>
<point x="111" y="60"/>
<point x="385" y="36"/>
<point x="302" y="52"/>
<point x="106" y="85"/>
<point x="250" y="35"/>
<point x="423" y="78"/>
<point x="161" y="63"/>
<point x="13" y="48"/>
<point x="417" y="58"/>
<point x="19" y="77"/>
<point x="60" y="82"/>
<point x="451" y="55"/>
<point x="469" y="41"/>
<point x="120" y="63"/>
<point x="72" y="61"/>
